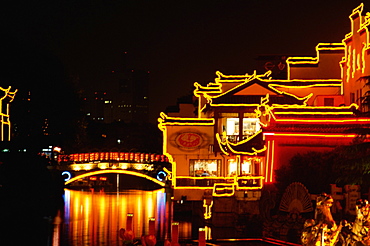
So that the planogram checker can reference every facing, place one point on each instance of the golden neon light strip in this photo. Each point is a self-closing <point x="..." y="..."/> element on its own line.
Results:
<point x="207" y="208"/>
<point x="163" y="128"/>
<point x="193" y="187"/>
<point x="351" y="61"/>
<point x="225" y="187"/>
<point x="115" y="171"/>
<point x="219" y="141"/>
<point x="164" y="117"/>
<point x="233" y="78"/>
<point x="249" y="178"/>
<point x="231" y="145"/>
<point x="313" y="60"/>
<point x="304" y="99"/>
<point x="245" y="81"/>
<point x="4" y="116"/>
<point x="230" y="181"/>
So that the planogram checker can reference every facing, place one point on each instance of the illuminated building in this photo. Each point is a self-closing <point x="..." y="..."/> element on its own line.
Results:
<point x="7" y="96"/>
<point x="247" y="126"/>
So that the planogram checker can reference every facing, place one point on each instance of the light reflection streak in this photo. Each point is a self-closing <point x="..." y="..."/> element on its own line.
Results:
<point x="94" y="218"/>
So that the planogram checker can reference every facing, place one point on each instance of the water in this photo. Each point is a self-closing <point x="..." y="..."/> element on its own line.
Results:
<point x="95" y="217"/>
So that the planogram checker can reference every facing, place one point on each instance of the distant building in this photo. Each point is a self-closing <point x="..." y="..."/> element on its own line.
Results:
<point x="124" y="98"/>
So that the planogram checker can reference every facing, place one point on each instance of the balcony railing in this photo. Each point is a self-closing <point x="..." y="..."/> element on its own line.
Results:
<point x="241" y="183"/>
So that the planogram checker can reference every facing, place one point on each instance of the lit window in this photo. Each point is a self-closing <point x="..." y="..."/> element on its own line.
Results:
<point x="250" y="127"/>
<point x="246" y="167"/>
<point x="232" y="126"/>
<point x="232" y="168"/>
<point x="206" y="167"/>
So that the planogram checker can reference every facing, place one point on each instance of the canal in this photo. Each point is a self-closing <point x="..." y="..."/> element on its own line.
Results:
<point x="95" y="217"/>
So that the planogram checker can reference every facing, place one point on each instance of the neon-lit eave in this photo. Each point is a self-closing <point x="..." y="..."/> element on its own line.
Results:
<point x="178" y="121"/>
<point x="227" y="146"/>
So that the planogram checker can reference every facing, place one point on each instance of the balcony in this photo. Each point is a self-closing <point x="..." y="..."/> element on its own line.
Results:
<point x="240" y="183"/>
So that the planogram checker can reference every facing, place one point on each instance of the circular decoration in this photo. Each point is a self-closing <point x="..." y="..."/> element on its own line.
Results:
<point x="68" y="175"/>
<point x="161" y="175"/>
<point x="189" y="140"/>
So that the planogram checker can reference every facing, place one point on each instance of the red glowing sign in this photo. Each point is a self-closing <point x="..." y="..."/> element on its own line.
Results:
<point x="189" y="140"/>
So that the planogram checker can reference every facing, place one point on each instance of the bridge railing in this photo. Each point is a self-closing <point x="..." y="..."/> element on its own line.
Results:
<point x="111" y="165"/>
<point x="111" y="156"/>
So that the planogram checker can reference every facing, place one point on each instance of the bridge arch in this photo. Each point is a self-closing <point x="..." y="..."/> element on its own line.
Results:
<point x="118" y="171"/>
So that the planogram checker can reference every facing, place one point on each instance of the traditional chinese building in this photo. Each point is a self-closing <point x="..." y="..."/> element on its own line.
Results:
<point x="7" y="96"/>
<point x="247" y="126"/>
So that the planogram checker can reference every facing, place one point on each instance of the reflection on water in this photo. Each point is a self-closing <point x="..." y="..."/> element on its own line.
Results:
<point x="94" y="218"/>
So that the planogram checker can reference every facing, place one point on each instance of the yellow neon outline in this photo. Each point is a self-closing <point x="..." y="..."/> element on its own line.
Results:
<point x="271" y="86"/>
<point x="227" y="180"/>
<point x="246" y="178"/>
<point x="221" y="78"/>
<point x="312" y="60"/>
<point x="4" y="116"/>
<point x="350" y="60"/>
<point x="230" y="145"/>
<point x="193" y="187"/>
<point x="210" y="86"/>
<point x="115" y="171"/>
<point x="162" y="121"/>
<point x="169" y="173"/>
<point x="219" y="141"/>
<point x="162" y="127"/>
<point x="225" y="186"/>
<point x="207" y="208"/>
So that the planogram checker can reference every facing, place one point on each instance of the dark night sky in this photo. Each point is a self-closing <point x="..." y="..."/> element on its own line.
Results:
<point x="179" y="42"/>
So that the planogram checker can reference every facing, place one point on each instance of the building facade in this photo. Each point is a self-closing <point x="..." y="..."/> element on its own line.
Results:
<point x="247" y="126"/>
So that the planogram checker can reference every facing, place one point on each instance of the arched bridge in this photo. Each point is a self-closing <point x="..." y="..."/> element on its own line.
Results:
<point x="103" y="169"/>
